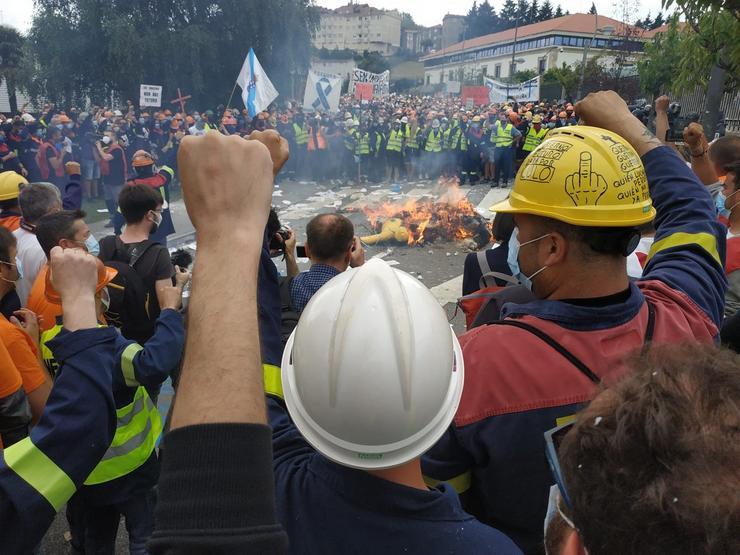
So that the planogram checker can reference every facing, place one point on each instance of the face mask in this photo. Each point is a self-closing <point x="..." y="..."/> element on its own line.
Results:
<point x="59" y="126"/>
<point x="513" y="258"/>
<point x="157" y="126"/>
<point x="106" y="140"/>
<point x="142" y="121"/>
<point x="721" y="203"/>
<point x="105" y="299"/>
<point x="70" y="125"/>
<point x="551" y="125"/>
<point x="92" y="245"/>
<point x="39" y="132"/>
<point x="18" y="268"/>
<point x="156" y="223"/>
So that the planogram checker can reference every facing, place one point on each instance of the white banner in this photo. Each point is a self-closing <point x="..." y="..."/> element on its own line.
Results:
<point x="380" y="81"/>
<point x="322" y="92"/>
<point x="150" y="95"/>
<point x="529" y="91"/>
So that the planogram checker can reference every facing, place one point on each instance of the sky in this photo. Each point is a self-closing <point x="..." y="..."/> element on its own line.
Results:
<point x="17" y="13"/>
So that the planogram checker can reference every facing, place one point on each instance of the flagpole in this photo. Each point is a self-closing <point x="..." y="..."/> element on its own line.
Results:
<point x="228" y="102"/>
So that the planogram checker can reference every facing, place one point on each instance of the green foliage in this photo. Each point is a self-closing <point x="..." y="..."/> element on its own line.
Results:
<point x="565" y="76"/>
<point x="11" y="60"/>
<point x="483" y="20"/>
<point x="524" y="75"/>
<point x="681" y="58"/>
<point x="91" y="49"/>
<point x="372" y="61"/>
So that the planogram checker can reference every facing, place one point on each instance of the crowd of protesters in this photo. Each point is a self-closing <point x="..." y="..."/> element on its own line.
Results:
<point x="334" y="410"/>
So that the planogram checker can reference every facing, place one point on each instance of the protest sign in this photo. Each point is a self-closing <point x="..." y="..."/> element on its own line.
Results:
<point x="150" y="95"/>
<point x="528" y="91"/>
<point x="379" y="81"/>
<point x="322" y="92"/>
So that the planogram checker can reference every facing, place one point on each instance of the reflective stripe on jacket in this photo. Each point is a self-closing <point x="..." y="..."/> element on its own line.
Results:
<point x="534" y="138"/>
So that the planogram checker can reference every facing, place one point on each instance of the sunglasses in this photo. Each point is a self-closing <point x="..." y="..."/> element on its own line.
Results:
<point x="553" y="439"/>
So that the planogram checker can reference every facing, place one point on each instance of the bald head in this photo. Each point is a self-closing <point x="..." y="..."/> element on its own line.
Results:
<point x="329" y="237"/>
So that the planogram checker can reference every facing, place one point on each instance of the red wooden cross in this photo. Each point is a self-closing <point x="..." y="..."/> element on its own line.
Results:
<point x="180" y="99"/>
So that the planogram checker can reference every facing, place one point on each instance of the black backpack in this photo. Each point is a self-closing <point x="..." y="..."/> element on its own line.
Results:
<point x="288" y="314"/>
<point x="133" y="303"/>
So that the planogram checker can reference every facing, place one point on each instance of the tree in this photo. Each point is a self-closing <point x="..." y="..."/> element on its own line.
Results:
<point x="89" y="50"/>
<point x="545" y="11"/>
<point x="533" y="13"/>
<point x="11" y="56"/>
<point x="524" y="75"/>
<point x="566" y="76"/>
<point x="372" y="61"/>
<point x="645" y="23"/>
<point x="522" y="9"/>
<point x="592" y="9"/>
<point x="657" y="68"/>
<point x="487" y="20"/>
<point x="559" y="11"/>
<point x="658" y="21"/>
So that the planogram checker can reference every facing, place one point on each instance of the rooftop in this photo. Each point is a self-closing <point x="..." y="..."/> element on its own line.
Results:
<point x="575" y="23"/>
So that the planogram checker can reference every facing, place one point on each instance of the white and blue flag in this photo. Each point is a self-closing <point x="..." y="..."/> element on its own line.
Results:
<point x="322" y="92"/>
<point x="257" y="90"/>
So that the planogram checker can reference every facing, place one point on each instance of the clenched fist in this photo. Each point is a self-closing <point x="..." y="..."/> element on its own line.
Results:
<point x="74" y="273"/>
<point x="693" y="135"/>
<point x="277" y="145"/>
<point x="585" y="186"/>
<point x="662" y="103"/>
<point x="227" y="185"/>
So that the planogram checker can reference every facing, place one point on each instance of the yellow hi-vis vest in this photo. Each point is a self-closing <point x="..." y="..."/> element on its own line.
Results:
<point x="395" y="140"/>
<point x="412" y="138"/>
<point x="363" y="144"/>
<point x="434" y="141"/>
<point x="503" y="135"/>
<point x="138" y="424"/>
<point x="301" y="134"/>
<point x="534" y="138"/>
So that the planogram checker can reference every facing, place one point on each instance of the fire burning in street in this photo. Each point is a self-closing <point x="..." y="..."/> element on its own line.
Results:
<point x="446" y="215"/>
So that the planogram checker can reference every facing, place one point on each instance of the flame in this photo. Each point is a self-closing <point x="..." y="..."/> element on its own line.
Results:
<point x="447" y="215"/>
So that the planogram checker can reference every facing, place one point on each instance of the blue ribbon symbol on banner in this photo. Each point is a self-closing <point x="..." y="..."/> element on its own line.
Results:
<point x="322" y="91"/>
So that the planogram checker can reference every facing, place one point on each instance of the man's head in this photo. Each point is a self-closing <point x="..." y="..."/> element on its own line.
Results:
<point x="577" y="214"/>
<point x="651" y="466"/>
<point x="9" y="270"/>
<point x="38" y="199"/>
<point x="724" y="151"/>
<point x="53" y="135"/>
<point x="732" y="185"/>
<point x="139" y="203"/>
<point x="66" y="229"/>
<point x="329" y="240"/>
<point x="11" y="184"/>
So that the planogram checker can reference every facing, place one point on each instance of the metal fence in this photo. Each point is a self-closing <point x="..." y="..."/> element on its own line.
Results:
<point x="730" y="106"/>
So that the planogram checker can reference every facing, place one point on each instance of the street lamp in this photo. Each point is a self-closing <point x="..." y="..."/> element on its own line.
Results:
<point x="513" y="54"/>
<point x="606" y="30"/>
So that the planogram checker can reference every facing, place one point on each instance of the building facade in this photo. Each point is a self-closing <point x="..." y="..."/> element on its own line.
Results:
<point x="538" y="47"/>
<point x="453" y="27"/>
<point x="359" y="27"/>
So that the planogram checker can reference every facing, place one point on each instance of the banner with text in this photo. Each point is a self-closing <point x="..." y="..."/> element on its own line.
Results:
<point x="528" y="91"/>
<point x="150" y="95"/>
<point x="379" y="81"/>
<point x="322" y="92"/>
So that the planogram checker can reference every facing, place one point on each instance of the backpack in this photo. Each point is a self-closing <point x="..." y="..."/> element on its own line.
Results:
<point x="288" y="314"/>
<point x="489" y="296"/>
<point x="133" y="303"/>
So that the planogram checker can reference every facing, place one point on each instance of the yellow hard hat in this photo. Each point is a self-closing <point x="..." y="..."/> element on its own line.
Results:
<point x="537" y="119"/>
<point x="584" y="176"/>
<point x="476" y="119"/>
<point x="11" y="184"/>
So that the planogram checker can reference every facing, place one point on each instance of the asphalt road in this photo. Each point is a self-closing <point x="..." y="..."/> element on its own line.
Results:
<point x="438" y="265"/>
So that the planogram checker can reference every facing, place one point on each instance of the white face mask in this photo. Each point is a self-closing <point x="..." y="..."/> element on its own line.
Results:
<point x="513" y="258"/>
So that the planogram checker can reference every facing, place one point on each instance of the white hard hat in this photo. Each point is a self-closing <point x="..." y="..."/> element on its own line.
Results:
<point x="373" y="373"/>
<point x="349" y="122"/>
<point x="404" y="119"/>
<point x="117" y="113"/>
<point x="28" y="118"/>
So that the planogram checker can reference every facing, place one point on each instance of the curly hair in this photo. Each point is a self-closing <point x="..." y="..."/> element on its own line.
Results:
<point x="652" y="466"/>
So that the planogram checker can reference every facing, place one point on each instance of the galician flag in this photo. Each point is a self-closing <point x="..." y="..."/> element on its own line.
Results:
<point x="257" y="90"/>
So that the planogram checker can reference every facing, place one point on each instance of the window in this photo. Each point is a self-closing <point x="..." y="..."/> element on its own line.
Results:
<point x="451" y="76"/>
<point x="428" y="78"/>
<point x="497" y="71"/>
<point x="541" y="65"/>
<point x="558" y="41"/>
<point x="441" y="76"/>
<point x="485" y="70"/>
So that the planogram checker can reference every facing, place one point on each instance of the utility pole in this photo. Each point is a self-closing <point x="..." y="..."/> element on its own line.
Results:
<point x="513" y="57"/>
<point x="715" y="90"/>
<point x="586" y="48"/>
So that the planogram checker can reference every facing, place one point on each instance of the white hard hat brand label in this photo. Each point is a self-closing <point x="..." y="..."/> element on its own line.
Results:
<point x="370" y="456"/>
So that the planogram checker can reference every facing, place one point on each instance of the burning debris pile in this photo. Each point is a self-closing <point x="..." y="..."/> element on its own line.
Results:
<point x="446" y="215"/>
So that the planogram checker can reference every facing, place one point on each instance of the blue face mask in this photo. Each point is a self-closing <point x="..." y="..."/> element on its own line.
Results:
<point x="513" y="258"/>
<point x="59" y="126"/>
<point x="92" y="245"/>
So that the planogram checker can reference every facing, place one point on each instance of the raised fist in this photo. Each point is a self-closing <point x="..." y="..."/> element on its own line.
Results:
<point x="693" y="135"/>
<point x="276" y="144"/>
<point x="661" y="103"/>
<point x="585" y="187"/>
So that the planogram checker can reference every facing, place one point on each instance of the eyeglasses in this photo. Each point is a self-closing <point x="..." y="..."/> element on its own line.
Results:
<point x="553" y="439"/>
